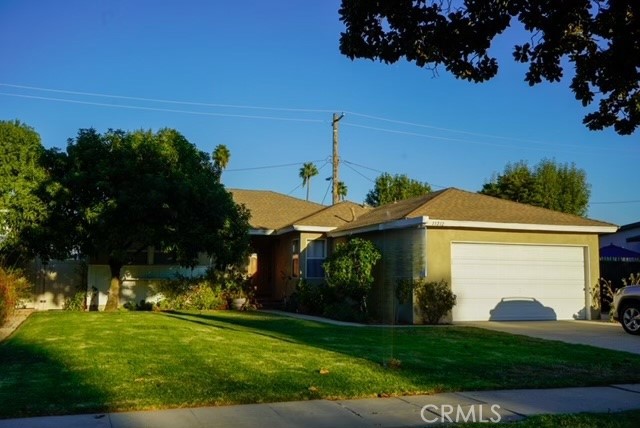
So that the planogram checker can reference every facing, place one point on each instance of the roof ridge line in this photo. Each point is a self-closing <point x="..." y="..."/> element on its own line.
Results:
<point x="325" y="207"/>
<point x="432" y="196"/>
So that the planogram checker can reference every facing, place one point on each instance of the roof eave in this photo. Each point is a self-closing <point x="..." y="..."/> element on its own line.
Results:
<point x="405" y="223"/>
<point x="261" y="232"/>
<point x="303" y="228"/>
<point x="521" y="226"/>
<point x="425" y="221"/>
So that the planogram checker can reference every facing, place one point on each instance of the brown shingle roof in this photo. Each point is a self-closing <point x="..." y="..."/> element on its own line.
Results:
<point x="334" y="215"/>
<point x="274" y="211"/>
<point x="271" y="210"/>
<point x="460" y="205"/>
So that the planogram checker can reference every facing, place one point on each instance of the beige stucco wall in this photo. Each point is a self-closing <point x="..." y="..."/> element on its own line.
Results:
<point x="395" y="243"/>
<point x="439" y="248"/>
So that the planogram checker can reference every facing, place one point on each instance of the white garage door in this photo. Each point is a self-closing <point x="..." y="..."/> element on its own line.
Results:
<point x="517" y="282"/>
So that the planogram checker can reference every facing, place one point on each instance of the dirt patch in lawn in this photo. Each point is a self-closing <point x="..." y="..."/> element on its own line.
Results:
<point x="14" y="322"/>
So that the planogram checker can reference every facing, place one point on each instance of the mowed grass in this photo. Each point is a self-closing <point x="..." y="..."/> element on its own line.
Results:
<point x="65" y="362"/>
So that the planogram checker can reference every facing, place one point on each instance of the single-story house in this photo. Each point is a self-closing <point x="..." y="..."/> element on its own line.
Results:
<point x="503" y="260"/>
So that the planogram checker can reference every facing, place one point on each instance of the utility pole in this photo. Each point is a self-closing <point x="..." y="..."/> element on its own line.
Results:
<point x="336" y="159"/>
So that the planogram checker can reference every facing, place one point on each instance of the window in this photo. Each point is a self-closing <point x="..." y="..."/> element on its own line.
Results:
<point x="316" y="253"/>
<point x="295" y="258"/>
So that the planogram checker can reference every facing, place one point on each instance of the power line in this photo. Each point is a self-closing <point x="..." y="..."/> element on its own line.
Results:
<point x="237" y="106"/>
<point x="481" y="143"/>
<point x="384" y="172"/>
<point x="614" y="202"/>
<point x="300" y="185"/>
<point x="329" y="186"/>
<point x="269" y="166"/>
<point x="242" y="116"/>
<point x="159" y="100"/>
<point x="303" y="110"/>
<point x="362" y="166"/>
<point x="294" y="189"/>
<point x="298" y="110"/>
<point x="359" y="173"/>
<point x="438" y="128"/>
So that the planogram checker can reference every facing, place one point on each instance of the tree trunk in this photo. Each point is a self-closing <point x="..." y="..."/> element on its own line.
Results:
<point x="113" y="300"/>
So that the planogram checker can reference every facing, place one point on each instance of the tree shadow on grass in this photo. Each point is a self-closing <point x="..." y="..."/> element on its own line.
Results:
<point x="186" y="316"/>
<point x="373" y="345"/>
<point x="34" y="382"/>
<point x="441" y="359"/>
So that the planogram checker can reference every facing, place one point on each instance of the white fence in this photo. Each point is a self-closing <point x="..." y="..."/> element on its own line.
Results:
<point x="54" y="282"/>
<point x="137" y="282"/>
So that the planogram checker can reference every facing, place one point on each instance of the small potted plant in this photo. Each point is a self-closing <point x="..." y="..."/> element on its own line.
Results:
<point x="236" y="287"/>
<point x="237" y="296"/>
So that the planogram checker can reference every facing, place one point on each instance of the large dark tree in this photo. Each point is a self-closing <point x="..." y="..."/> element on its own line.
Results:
<point x="392" y="188"/>
<point x="556" y="186"/>
<point x="120" y="192"/>
<point x="20" y="175"/>
<point x="599" y="39"/>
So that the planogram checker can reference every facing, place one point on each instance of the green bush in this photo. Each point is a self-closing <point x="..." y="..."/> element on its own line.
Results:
<point x="311" y="298"/>
<point x="13" y="287"/>
<point x="204" y="297"/>
<point x="75" y="303"/>
<point x="349" y="270"/>
<point x="190" y="293"/>
<point x="233" y="282"/>
<point x="435" y="300"/>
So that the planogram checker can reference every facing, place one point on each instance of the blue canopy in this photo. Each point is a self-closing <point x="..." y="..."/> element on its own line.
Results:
<point x="614" y="253"/>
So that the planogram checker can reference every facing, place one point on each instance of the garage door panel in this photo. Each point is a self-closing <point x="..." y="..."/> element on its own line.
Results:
<point x="503" y="281"/>
<point x="510" y="274"/>
<point x="557" y="292"/>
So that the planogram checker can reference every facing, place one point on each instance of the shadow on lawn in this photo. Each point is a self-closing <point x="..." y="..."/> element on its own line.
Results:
<point x="445" y="359"/>
<point x="182" y="317"/>
<point x="33" y="382"/>
<point x="377" y="345"/>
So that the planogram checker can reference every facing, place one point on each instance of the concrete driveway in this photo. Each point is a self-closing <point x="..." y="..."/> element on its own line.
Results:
<point x="595" y="333"/>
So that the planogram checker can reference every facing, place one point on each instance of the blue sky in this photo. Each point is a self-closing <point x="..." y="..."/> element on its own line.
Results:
<point x="281" y="59"/>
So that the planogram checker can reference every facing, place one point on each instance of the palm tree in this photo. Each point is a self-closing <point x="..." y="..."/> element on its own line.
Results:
<point x="342" y="190"/>
<point x="307" y="171"/>
<point x="220" y="156"/>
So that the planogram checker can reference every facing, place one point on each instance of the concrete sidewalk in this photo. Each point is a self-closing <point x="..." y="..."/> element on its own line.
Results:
<point x="410" y="411"/>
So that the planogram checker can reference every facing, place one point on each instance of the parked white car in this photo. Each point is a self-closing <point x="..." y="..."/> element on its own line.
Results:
<point x="626" y="308"/>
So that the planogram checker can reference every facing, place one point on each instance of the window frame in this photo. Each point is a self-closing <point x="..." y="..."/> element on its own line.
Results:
<point x="322" y="259"/>
<point x="295" y="258"/>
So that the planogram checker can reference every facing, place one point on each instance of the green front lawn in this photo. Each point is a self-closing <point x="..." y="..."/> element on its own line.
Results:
<point x="65" y="362"/>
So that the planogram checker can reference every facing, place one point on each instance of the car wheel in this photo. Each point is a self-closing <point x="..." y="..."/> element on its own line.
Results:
<point x="630" y="318"/>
